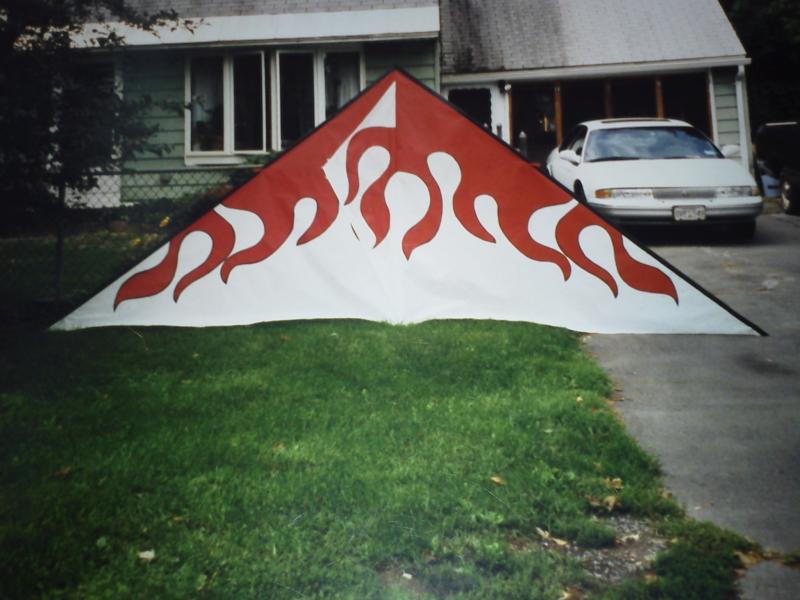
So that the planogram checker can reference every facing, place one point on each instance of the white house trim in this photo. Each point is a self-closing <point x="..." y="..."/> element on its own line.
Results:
<point x="420" y="22"/>
<point x="744" y="129"/>
<point x="595" y="71"/>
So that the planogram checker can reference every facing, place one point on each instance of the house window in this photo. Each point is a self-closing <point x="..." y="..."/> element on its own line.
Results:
<point x="227" y="104"/>
<point x="236" y="107"/>
<point x="342" y="80"/>
<point x="248" y="103"/>
<point x="296" y="95"/>
<point x="207" y="105"/>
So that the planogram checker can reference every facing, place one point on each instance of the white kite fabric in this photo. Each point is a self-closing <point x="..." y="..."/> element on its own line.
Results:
<point x="400" y="209"/>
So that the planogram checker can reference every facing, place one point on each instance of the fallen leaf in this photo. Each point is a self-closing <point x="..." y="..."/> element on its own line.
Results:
<point x="611" y="502"/>
<point x="748" y="559"/>
<point x="626" y="539"/>
<point x="63" y="472"/>
<point x="571" y="594"/>
<point x="545" y="535"/>
<point x="178" y="519"/>
<point x="147" y="555"/>
<point x="559" y="542"/>
<point x="407" y="575"/>
<point x="614" y="484"/>
<point x="497" y="480"/>
<point x="579" y="399"/>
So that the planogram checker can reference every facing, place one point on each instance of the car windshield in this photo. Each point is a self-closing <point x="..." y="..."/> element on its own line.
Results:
<point x="636" y="143"/>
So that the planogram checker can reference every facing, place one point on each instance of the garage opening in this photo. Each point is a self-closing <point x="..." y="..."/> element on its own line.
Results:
<point x="633" y="97"/>
<point x="533" y="112"/>
<point x="686" y="98"/>
<point x="476" y="103"/>
<point x="582" y="101"/>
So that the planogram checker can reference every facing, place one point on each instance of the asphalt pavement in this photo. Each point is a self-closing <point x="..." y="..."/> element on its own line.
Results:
<point x="722" y="413"/>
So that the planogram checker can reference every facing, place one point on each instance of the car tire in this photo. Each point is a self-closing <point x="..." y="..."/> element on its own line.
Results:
<point x="580" y="195"/>
<point x="789" y="198"/>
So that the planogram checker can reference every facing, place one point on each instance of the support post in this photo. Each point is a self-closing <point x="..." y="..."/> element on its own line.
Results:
<point x="659" y="99"/>
<point x="558" y="115"/>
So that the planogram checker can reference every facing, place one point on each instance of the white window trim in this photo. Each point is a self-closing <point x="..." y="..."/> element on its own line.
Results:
<point x="319" y="82"/>
<point x="228" y="155"/>
<point x="271" y="103"/>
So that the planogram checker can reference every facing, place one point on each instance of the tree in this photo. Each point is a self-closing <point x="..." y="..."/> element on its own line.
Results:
<point x="770" y="33"/>
<point x="59" y="123"/>
<point x="61" y="118"/>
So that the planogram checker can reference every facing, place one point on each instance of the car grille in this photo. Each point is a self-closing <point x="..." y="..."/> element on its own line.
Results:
<point x="684" y="193"/>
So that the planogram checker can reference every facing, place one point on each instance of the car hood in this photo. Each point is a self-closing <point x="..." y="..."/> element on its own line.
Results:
<point x="679" y="172"/>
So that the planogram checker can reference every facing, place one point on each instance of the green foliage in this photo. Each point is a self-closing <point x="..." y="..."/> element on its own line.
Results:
<point x="770" y="33"/>
<point x="61" y="118"/>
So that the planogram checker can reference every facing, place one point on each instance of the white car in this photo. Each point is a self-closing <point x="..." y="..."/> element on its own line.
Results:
<point x="653" y="171"/>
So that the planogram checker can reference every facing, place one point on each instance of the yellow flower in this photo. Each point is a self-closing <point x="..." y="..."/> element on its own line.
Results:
<point x="164" y="222"/>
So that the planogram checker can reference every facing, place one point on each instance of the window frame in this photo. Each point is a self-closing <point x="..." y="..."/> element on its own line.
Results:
<point x="270" y="101"/>
<point x="228" y="154"/>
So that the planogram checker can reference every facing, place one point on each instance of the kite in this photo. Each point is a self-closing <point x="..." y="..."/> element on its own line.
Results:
<point x="401" y="209"/>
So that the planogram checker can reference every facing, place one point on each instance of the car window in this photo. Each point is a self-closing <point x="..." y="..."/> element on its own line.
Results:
<point x="577" y="143"/>
<point x="634" y="143"/>
<point x="570" y="139"/>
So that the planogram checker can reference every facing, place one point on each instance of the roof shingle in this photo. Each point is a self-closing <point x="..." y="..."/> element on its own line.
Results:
<point x="508" y="35"/>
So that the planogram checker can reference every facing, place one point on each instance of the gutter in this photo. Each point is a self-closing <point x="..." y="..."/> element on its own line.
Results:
<point x="311" y="27"/>
<point x="587" y="71"/>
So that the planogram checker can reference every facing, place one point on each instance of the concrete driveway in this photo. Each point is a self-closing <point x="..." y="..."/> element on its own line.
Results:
<point x="722" y="413"/>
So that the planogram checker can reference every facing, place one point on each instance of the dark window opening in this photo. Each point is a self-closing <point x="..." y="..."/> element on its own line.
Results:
<point x="207" y="104"/>
<point x="248" y="105"/>
<point x="296" y="97"/>
<point x="342" y="80"/>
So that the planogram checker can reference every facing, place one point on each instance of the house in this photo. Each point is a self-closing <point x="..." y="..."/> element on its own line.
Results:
<point x="541" y="66"/>
<point x="257" y="75"/>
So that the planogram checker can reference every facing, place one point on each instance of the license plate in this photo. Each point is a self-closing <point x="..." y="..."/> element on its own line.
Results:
<point x="689" y="213"/>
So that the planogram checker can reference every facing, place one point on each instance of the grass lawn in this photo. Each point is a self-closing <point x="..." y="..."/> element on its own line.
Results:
<point x="323" y="460"/>
<point x="91" y="259"/>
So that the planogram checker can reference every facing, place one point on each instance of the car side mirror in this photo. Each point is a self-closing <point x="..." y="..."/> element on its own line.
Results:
<point x="731" y="151"/>
<point x="569" y="156"/>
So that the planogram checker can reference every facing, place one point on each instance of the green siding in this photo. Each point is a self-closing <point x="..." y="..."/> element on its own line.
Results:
<point x="416" y="57"/>
<point x="726" y="106"/>
<point x="159" y="75"/>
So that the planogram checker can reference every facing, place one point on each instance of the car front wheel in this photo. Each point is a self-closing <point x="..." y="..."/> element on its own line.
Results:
<point x="580" y="195"/>
<point x="790" y="202"/>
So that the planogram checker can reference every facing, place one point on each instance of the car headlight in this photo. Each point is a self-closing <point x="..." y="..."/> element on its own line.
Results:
<point x="736" y="191"/>
<point x="622" y="193"/>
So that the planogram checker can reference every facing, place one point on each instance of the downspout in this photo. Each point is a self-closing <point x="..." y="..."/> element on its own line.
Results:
<point x="744" y="125"/>
<point x="712" y="106"/>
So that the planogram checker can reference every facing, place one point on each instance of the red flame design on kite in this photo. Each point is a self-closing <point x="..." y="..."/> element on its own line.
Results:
<point x="424" y="125"/>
